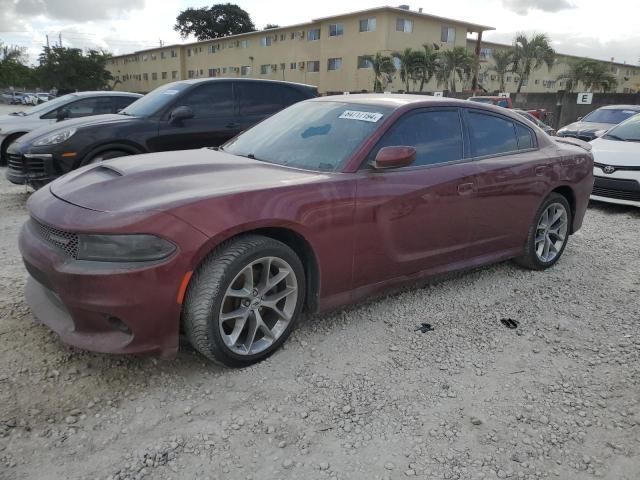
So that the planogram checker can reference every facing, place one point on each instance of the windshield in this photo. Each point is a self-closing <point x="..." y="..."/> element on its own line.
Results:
<point x="628" y="131"/>
<point x="50" y="105"/>
<point x="154" y="101"/>
<point x="609" y="115"/>
<point x="310" y="135"/>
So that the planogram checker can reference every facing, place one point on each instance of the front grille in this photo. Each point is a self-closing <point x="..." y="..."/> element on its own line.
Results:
<point x="14" y="163"/>
<point x="35" y="167"/>
<point x="65" y="241"/>
<point x="617" y="189"/>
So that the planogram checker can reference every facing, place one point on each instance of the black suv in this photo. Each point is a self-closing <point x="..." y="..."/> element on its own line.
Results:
<point x="180" y="115"/>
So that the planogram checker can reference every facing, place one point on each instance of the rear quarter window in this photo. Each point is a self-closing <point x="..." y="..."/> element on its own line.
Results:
<point x="491" y="134"/>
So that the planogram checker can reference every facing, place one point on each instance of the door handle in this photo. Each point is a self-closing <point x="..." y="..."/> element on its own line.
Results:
<point x="465" y="188"/>
<point x="541" y="170"/>
<point x="232" y="125"/>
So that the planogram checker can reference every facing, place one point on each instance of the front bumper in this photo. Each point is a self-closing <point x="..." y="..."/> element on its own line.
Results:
<point x="621" y="187"/>
<point x="30" y="169"/>
<point x="106" y="307"/>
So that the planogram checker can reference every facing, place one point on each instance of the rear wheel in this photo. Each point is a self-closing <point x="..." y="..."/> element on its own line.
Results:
<point x="548" y="234"/>
<point x="244" y="300"/>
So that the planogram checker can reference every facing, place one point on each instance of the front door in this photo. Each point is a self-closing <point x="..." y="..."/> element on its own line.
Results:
<point x="416" y="219"/>
<point x="213" y="123"/>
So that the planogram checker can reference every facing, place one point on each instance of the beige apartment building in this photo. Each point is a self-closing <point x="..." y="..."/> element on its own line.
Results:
<point x="330" y="54"/>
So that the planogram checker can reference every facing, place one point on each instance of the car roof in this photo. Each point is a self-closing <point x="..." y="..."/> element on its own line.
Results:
<point x="397" y="100"/>
<point x="194" y="81"/>
<point x="101" y="93"/>
<point x="620" y="107"/>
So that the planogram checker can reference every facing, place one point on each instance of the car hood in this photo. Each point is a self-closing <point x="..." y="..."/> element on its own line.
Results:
<point x="616" y="152"/>
<point x="161" y="181"/>
<point x="75" y="123"/>
<point x="584" y="127"/>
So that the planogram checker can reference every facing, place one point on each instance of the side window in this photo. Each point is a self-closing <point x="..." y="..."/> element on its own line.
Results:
<point x="213" y="99"/>
<point x="120" y="103"/>
<point x="525" y="137"/>
<point x="265" y="99"/>
<point x="490" y="134"/>
<point x="82" y="108"/>
<point x="104" y="105"/>
<point x="435" y="134"/>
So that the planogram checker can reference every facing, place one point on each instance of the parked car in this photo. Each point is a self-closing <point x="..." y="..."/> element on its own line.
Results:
<point x="498" y="101"/>
<point x="14" y="125"/>
<point x="617" y="164"/>
<point x="325" y="203"/>
<point x="603" y="118"/>
<point x="536" y="121"/>
<point x="175" y="116"/>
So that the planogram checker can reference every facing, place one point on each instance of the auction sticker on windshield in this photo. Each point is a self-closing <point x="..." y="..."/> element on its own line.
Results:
<point x="171" y="92"/>
<point x="363" y="116"/>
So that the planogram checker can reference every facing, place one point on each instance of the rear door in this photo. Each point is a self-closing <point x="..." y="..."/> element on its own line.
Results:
<point x="417" y="218"/>
<point x="258" y="100"/>
<point x="511" y="179"/>
<point x="213" y="122"/>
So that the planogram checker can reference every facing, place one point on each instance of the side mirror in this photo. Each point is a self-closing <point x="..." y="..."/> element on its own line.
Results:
<point x="180" y="113"/>
<point x="579" y="118"/>
<point x="62" y="114"/>
<point x="394" y="157"/>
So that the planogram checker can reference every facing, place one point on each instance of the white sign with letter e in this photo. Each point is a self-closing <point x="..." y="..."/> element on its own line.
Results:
<point x="438" y="94"/>
<point x="504" y="94"/>
<point x="585" y="98"/>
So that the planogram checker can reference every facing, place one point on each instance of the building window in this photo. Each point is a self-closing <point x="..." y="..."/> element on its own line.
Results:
<point x="146" y="77"/>
<point x="163" y="55"/>
<point x="364" y="62"/>
<point x="224" y="69"/>
<point x="313" y="34"/>
<point x="245" y="71"/>
<point x="212" y="72"/>
<point x="174" y="74"/>
<point x="265" y="41"/>
<point x="404" y="25"/>
<point x="191" y="74"/>
<point x="313" y="66"/>
<point x="448" y="35"/>
<point x="368" y="25"/>
<point x="164" y="75"/>
<point x="396" y="63"/>
<point x="336" y="29"/>
<point x="486" y="53"/>
<point x="244" y="43"/>
<point x="211" y="49"/>
<point x="174" y="54"/>
<point x="154" y="76"/>
<point x="508" y="78"/>
<point x="265" y="69"/>
<point x="293" y="66"/>
<point x="145" y="58"/>
<point x="334" y="64"/>
<point x="153" y="56"/>
<point x="188" y="52"/>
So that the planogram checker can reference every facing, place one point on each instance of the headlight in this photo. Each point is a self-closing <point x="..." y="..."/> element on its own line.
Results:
<point x="55" y="138"/>
<point x="123" y="248"/>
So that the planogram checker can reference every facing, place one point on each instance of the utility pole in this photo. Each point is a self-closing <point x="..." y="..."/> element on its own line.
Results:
<point x="47" y="41"/>
<point x="60" y="39"/>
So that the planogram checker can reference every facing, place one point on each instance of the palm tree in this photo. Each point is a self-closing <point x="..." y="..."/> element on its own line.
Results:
<point x="456" y="62"/>
<point x="530" y="54"/>
<point x="503" y="61"/>
<point x="383" y="69"/>
<point x="426" y="63"/>
<point x="592" y="74"/>
<point x="574" y="75"/>
<point x="409" y="64"/>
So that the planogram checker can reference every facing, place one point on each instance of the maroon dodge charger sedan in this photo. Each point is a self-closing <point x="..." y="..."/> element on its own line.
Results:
<point x="325" y="203"/>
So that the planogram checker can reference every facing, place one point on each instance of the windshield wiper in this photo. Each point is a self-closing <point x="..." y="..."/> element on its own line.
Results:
<point x="615" y="137"/>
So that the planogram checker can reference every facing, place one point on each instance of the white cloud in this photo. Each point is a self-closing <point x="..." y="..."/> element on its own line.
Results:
<point x="522" y="7"/>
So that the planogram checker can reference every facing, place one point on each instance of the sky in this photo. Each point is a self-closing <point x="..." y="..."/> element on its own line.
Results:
<point x="590" y="28"/>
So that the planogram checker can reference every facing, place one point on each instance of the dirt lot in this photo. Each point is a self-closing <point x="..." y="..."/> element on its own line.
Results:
<point x="358" y="394"/>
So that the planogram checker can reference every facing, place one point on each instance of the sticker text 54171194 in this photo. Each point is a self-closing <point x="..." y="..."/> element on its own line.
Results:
<point x="362" y="116"/>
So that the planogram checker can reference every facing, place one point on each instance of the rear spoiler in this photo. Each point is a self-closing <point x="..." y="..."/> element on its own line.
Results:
<point x="575" y="142"/>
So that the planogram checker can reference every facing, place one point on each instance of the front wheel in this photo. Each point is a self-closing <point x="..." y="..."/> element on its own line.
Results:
<point x="548" y="234"/>
<point x="106" y="155"/>
<point x="244" y="300"/>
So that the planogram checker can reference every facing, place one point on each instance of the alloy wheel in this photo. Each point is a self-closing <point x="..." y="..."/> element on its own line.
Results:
<point x="551" y="232"/>
<point x="258" y="305"/>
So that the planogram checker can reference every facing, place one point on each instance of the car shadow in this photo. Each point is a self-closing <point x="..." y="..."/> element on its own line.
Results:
<point x="615" y="209"/>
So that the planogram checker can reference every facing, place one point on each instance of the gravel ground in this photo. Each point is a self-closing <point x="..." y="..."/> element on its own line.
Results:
<point x="357" y="394"/>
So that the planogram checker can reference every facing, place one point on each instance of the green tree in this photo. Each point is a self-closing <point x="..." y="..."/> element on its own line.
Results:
<point x="383" y="70"/>
<point x="594" y="75"/>
<point x="503" y="64"/>
<point x="454" y="63"/>
<point x="71" y="69"/>
<point x="409" y="60"/>
<point x="13" y="69"/>
<point x="269" y="26"/>
<point x="426" y="64"/>
<point x="219" y="20"/>
<point x="530" y="54"/>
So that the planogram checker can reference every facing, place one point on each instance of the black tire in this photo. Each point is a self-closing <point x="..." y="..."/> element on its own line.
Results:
<point x="530" y="259"/>
<point x="104" y="155"/>
<point x="4" y="161"/>
<point x="207" y="288"/>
